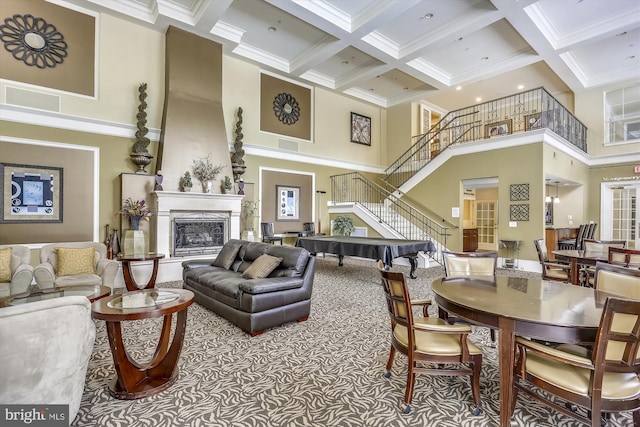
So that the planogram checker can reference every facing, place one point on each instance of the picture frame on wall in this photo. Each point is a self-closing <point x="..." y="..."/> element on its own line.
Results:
<point x="360" y="129"/>
<point x="287" y="203"/>
<point x="500" y="128"/>
<point x="30" y="193"/>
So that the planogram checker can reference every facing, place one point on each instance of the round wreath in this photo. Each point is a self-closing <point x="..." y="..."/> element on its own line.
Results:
<point x="33" y="41"/>
<point x="286" y="108"/>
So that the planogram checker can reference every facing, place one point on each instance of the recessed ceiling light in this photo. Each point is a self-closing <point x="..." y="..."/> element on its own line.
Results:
<point x="459" y="39"/>
<point x="371" y="89"/>
<point x="630" y="57"/>
<point x="478" y="99"/>
<point x="427" y="16"/>
<point x="458" y="87"/>
<point x="484" y="58"/>
<point x="520" y="87"/>
<point x="272" y="29"/>
<point x="344" y="62"/>
<point x="405" y="88"/>
<point x="621" y="34"/>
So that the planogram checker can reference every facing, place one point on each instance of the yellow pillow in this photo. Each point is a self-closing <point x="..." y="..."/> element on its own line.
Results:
<point x="76" y="261"/>
<point x="5" y="264"/>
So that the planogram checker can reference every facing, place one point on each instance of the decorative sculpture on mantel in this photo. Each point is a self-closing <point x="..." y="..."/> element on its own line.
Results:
<point x="237" y="161"/>
<point x="139" y="154"/>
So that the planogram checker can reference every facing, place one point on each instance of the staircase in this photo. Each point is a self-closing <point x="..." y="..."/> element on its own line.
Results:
<point x="392" y="217"/>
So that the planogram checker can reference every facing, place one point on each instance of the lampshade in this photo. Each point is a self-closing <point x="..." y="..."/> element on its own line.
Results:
<point x="548" y="198"/>
<point x="557" y="199"/>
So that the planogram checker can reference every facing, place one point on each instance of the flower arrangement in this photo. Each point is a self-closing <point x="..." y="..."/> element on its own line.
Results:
<point x="130" y="209"/>
<point x="205" y="170"/>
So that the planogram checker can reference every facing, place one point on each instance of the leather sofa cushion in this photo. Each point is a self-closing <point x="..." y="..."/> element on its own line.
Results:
<point x="249" y="253"/>
<point x="227" y="255"/>
<point x="294" y="260"/>
<point x="261" y="267"/>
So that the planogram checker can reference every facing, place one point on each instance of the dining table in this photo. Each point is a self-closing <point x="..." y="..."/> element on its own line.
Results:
<point x="515" y="306"/>
<point x="578" y="258"/>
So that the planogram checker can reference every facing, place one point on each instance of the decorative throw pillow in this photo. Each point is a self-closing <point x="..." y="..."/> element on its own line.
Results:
<point x="5" y="264"/>
<point x="76" y="261"/>
<point x="226" y="256"/>
<point x="261" y="267"/>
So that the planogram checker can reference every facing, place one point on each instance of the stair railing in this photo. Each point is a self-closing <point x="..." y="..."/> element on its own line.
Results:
<point x="403" y="218"/>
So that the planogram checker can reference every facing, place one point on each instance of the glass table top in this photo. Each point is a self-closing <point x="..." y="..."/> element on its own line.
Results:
<point x="41" y="295"/>
<point x="143" y="299"/>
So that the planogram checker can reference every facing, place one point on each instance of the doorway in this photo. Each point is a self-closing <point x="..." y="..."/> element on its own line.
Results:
<point x="620" y="212"/>
<point x="480" y="213"/>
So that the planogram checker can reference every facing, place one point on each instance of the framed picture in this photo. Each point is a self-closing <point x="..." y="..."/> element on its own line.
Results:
<point x="288" y="203"/>
<point x="360" y="129"/>
<point x="30" y="193"/>
<point x="497" y="129"/>
<point x="533" y="121"/>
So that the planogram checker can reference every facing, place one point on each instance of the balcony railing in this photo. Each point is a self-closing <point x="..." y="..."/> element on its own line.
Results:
<point x="409" y="222"/>
<point x="522" y="112"/>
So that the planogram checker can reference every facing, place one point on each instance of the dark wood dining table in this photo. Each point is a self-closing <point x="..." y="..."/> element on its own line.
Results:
<point x="545" y="310"/>
<point x="579" y="257"/>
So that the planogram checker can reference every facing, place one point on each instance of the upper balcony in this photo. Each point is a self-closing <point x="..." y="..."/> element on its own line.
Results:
<point x="522" y="112"/>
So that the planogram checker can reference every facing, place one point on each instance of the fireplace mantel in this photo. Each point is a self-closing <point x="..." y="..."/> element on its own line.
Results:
<point x="169" y="203"/>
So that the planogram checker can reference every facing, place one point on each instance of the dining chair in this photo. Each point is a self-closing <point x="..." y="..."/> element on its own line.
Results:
<point x="616" y="279"/>
<point x="575" y="243"/>
<point x="624" y="257"/>
<point x="461" y="264"/>
<point x="602" y="381"/>
<point x="427" y="339"/>
<point x="268" y="233"/>
<point x="551" y="270"/>
<point x="587" y="272"/>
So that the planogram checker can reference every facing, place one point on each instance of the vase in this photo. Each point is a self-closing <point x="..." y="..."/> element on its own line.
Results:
<point x="135" y="222"/>
<point x="115" y="243"/>
<point x="207" y="186"/>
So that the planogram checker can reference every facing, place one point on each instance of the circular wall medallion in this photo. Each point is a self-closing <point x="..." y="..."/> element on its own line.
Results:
<point x="286" y="108"/>
<point x="33" y="41"/>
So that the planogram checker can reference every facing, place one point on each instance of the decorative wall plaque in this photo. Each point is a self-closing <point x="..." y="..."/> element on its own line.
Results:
<point x="519" y="212"/>
<point x="519" y="192"/>
<point x="33" y="41"/>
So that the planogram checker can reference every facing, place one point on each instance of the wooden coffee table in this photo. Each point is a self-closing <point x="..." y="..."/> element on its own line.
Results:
<point x="92" y="292"/>
<point x="136" y="380"/>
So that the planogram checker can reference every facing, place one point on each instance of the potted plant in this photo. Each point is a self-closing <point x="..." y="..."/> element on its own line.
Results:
<point x="228" y="185"/>
<point x="206" y="171"/>
<point x="343" y="225"/>
<point x="186" y="182"/>
<point x="135" y="211"/>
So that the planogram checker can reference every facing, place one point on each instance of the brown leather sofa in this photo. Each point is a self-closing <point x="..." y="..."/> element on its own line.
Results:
<point x="254" y="304"/>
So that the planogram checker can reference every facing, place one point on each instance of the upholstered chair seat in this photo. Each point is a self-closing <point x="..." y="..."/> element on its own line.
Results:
<point x="75" y="263"/>
<point x="551" y="270"/>
<point x="16" y="272"/>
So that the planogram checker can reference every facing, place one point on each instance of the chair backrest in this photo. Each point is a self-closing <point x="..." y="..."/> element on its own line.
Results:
<point x="308" y="227"/>
<point x="624" y="257"/>
<point x="591" y="245"/>
<point x="48" y="252"/>
<point x="19" y="255"/>
<point x="580" y="236"/>
<point x="591" y="231"/>
<point x="541" y="248"/>
<point x="616" y="279"/>
<point x="267" y="228"/>
<point x="617" y="346"/>
<point x="457" y="264"/>
<point x="398" y="300"/>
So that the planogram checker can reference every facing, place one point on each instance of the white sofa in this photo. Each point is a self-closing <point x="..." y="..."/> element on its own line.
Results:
<point x="45" y="351"/>
<point x="46" y="273"/>
<point x="21" y="271"/>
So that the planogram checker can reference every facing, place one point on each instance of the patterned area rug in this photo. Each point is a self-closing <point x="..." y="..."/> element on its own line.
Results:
<point x="327" y="371"/>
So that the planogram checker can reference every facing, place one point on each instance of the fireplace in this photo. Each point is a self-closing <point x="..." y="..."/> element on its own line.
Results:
<point x="199" y="233"/>
<point x="192" y="224"/>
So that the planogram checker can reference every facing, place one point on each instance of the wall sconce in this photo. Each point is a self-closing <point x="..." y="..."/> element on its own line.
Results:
<point x="548" y="198"/>
<point x="557" y="199"/>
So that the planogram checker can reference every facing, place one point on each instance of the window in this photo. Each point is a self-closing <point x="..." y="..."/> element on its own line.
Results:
<point x="622" y="115"/>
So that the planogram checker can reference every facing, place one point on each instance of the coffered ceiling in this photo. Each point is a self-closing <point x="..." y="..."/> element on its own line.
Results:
<point x="448" y="52"/>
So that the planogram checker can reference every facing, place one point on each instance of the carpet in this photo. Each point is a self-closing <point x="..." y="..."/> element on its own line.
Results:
<point x="327" y="371"/>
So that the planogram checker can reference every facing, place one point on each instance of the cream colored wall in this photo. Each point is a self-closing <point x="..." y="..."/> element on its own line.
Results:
<point x="590" y="111"/>
<point x="402" y="127"/>
<point x="129" y="54"/>
<point x="331" y="124"/>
